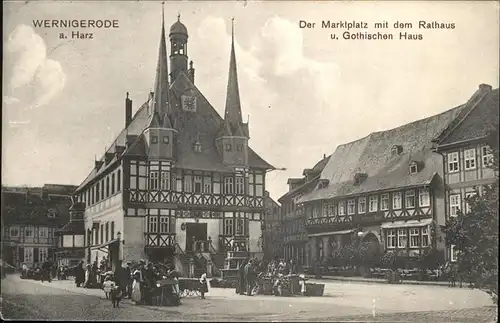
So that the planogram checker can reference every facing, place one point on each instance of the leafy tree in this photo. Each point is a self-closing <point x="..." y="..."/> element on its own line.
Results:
<point x="475" y="234"/>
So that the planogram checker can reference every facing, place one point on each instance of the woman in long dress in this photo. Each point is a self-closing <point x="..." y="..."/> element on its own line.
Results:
<point x="136" y="287"/>
<point x="87" y="277"/>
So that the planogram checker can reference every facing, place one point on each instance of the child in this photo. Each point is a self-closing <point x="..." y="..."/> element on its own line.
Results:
<point x="204" y="286"/>
<point x="116" y="295"/>
<point x="107" y="286"/>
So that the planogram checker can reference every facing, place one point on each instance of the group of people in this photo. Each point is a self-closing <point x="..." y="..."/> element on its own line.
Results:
<point x="46" y="271"/>
<point x="278" y="271"/>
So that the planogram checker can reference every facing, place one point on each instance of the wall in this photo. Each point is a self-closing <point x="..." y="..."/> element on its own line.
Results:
<point x="79" y="240"/>
<point x="133" y="237"/>
<point x="255" y="232"/>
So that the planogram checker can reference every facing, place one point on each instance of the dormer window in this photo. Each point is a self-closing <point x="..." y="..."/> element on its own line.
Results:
<point x="359" y="178"/>
<point x="413" y="167"/>
<point x="396" y="150"/>
<point x="197" y="147"/>
<point x="323" y="183"/>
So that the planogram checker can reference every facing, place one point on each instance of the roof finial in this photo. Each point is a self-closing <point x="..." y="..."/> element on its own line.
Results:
<point x="162" y="12"/>
<point x="178" y="16"/>
<point x="232" y="28"/>
<point x="127" y="95"/>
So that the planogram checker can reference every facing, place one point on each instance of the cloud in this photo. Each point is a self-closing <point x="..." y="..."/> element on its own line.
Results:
<point x="32" y="68"/>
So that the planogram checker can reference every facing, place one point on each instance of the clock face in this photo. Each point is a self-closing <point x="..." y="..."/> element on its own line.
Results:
<point x="188" y="103"/>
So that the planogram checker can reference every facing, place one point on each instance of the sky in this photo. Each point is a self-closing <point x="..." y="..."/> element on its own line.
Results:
<point x="304" y="93"/>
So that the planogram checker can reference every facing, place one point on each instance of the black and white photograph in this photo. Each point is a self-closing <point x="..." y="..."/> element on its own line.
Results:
<point x="267" y="161"/>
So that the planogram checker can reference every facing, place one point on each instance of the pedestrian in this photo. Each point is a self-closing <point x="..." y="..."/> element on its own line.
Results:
<point x="241" y="284"/>
<point x="79" y="274"/>
<point x="129" y="279"/>
<point x="136" y="288"/>
<point x="203" y="285"/>
<point x="120" y="276"/>
<point x="107" y="286"/>
<point x="249" y="277"/>
<point x="116" y="296"/>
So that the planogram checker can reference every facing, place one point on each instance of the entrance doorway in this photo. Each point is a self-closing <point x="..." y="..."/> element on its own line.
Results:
<point x="196" y="237"/>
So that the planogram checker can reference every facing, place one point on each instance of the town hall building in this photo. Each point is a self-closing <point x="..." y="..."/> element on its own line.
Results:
<point x="180" y="183"/>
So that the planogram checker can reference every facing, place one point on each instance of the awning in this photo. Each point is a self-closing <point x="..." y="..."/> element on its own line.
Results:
<point x="332" y="233"/>
<point x="406" y="224"/>
<point x="103" y="245"/>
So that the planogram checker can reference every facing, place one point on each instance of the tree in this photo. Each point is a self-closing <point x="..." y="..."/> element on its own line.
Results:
<point x="475" y="234"/>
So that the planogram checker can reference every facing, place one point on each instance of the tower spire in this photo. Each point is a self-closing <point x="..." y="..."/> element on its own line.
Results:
<point x="232" y="114"/>
<point x="161" y="95"/>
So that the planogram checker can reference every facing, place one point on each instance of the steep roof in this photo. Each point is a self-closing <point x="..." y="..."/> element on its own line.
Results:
<point x="478" y="123"/>
<point x="372" y="156"/>
<point x="74" y="227"/>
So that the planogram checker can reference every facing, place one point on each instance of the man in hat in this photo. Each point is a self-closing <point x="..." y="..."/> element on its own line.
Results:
<point x="249" y="277"/>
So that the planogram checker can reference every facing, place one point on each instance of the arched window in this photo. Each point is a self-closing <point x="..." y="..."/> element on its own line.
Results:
<point x="112" y="183"/>
<point x="107" y="186"/>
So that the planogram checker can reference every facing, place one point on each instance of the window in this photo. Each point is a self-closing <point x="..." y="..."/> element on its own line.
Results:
<point x="413" y="168"/>
<point x="153" y="224"/>
<point x="197" y="147"/>
<point x="240" y="226"/>
<point x="154" y="139"/>
<point x="410" y="199"/>
<point x="487" y="156"/>
<point x="43" y="232"/>
<point x="166" y="139"/>
<point x="118" y="180"/>
<point x="396" y="200"/>
<point x="470" y="159"/>
<point x="113" y="183"/>
<point x="14" y="232"/>
<point x="453" y="253"/>
<point x="362" y="205"/>
<point x="165" y="181"/>
<point x="402" y="238"/>
<point x="239" y="147"/>
<point x="112" y="230"/>
<point x="153" y="180"/>
<point x="256" y="184"/>
<point x="424" y="197"/>
<point x="197" y="184"/>
<point x="454" y="204"/>
<point x="373" y="206"/>
<point x="28" y="231"/>
<point x="102" y="189"/>
<point x="43" y="254"/>
<point x="351" y="206"/>
<point x="164" y="221"/>
<point x="107" y="232"/>
<point x="467" y="204"/>
<point x="384" y="202"/>
<point x="425" y="237"/>
<point x="414" y="238"/>
<point x="28" y="254"/>
<point x="228" y="227"/>
<point x="453" y="162"/>
<point x="391" y="239"/>
<point x="228" y="147"/>
<point x="342" y="208"/>
<point x="240" y="185"/>
<point x="97" y="189"/>
<point x="207" y="184"/>
<point x="102" y="233"/>
<point x="228" y="185"/>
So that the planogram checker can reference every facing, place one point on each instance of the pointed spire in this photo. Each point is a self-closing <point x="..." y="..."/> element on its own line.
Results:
<point x="160" y="95"/>
<point x="233" y="107"/>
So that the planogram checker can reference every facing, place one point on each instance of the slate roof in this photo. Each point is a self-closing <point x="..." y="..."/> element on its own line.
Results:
<point x="479" y="122"/>
<point x="372" y="155"/>
<point x="306" y="186"/>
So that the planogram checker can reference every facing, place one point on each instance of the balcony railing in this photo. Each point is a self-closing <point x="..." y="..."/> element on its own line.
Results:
<point x="144" y="196"/>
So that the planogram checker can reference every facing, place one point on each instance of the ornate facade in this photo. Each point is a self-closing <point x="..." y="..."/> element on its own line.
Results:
<point x="179" y="183"/>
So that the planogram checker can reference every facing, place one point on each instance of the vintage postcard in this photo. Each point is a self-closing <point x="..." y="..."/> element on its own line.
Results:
<point x="335" y="160"/>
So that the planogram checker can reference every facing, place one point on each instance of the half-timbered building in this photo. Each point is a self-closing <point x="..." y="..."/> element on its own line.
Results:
<point x="387" y="188"/>
<point x="179" y="180"/>
<point x="467" y="156"/>
<point x="30" y="218"/>
<point x="293" y="227"/>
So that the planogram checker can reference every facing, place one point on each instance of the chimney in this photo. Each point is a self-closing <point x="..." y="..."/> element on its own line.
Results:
<point x="485" y="87"/>
<point x="128" y="111"/>
<point x="191" y="71"/>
